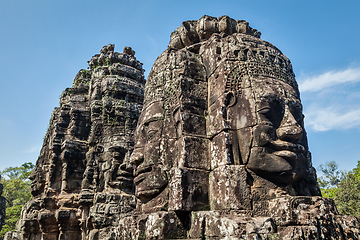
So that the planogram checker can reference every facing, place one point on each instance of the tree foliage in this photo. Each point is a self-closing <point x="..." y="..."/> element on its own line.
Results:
<point x="343" y="187"/>
<point x="16" y="191"/>
<point x="348" y="197"/>
<point x="11" y="218"/>
<point x="16" y="184"/>
<point x="332" y="175"/>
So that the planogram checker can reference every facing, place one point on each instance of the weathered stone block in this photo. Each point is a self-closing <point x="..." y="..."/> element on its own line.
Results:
<point x="301" y="210"/>
<point x="128" y="71"/>
<point x="240" y="109"/>
<point x="194" y="153"/>
<point x="231" y="226"/>
<point x="160" y="225"/>
<point x="197" y="224"/>
<point x="227" y="25"/>
<point x="279" y="209"/>
<point x="305" y="208"/>
<point x="219" y="151"/>
<point x="188" y="190"/>
<point x="193" y="69"/>
<point x="194" y="95"/>
<point x="215" y="121"/>
<point x="229" y="189"/>
<point x="350" y="226"/>
<point x="13" y="236"/>
<point x="193" y="124"/>
<point x="300" y="232"/>
<point x="219" y="77"/>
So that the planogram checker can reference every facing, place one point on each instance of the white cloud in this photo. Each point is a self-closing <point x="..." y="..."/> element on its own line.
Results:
<point x="329" y="79"/>
<point x="330" y="118"/>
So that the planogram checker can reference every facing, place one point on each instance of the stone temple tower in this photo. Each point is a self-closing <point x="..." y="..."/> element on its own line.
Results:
<point x="83" y="181"/>
<point x="213" y="146"/>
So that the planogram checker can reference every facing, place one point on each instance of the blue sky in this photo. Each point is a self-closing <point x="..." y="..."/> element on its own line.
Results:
<point x="44" y="43"/>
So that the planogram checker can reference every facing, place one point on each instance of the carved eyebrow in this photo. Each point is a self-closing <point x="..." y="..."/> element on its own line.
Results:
<point x="155" y="117"/>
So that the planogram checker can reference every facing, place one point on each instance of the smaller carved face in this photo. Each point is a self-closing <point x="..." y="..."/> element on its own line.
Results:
<point x="37" y="181"/>
<point x="150" y="174"/>
<point x="121" y="171"/>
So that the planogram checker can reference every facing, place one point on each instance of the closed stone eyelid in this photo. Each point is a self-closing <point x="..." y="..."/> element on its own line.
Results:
<point x="151" y="134"/>
<point x="264" y="108"/>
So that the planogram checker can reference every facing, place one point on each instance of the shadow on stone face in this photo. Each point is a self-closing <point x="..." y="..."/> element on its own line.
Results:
<point x="83" y="180"/>
<point x="238" y="121"/>
<point x="221" y="148"/>
<point x="212" y="147"/>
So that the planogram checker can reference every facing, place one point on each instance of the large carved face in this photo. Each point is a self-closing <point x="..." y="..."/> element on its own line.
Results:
<point x="150" y="174"/>
<point x="278" y="147"/>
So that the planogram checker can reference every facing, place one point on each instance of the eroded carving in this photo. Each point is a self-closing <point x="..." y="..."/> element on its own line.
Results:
<point x="220" y="145"/>
<point x="220" y="148"/>
<point x="83" y="181"/>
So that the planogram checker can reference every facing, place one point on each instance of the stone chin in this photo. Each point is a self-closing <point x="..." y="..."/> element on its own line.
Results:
<point x="145" y="195"/>
<point x="150" y="183"/>
<point x="284" y="167"/>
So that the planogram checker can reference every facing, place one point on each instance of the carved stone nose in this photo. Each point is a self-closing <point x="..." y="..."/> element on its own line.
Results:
<point x="289" y="129"/>
<point x="137" y="157"/>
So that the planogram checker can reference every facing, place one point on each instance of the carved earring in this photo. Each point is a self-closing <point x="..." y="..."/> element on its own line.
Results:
<point x="230" y="100"/>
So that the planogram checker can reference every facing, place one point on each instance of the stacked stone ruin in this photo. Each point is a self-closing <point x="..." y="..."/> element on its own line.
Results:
<point x="82" y="181"/>
<point x="213" y="146"/>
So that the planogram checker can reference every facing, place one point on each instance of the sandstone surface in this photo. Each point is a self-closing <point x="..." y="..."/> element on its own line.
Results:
<point x="219" y="150"/>
<point x="83" y="183"/>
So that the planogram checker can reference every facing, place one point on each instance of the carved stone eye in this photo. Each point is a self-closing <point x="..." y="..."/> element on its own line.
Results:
<point x="99" y="149"/>
<point x="264" y="111"/>
<point x="151" y="134"/>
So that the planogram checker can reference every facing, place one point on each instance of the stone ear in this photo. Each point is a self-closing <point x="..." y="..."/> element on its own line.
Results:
<point x="177" y="121"/>
<point x="230" y="99"/>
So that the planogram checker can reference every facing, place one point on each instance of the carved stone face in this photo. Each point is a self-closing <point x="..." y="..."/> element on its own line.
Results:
<point x="37" y="181"/>
<point x="278" y="147"/>
<point x="120" y="175"/>
<point x="150" y="174"/>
